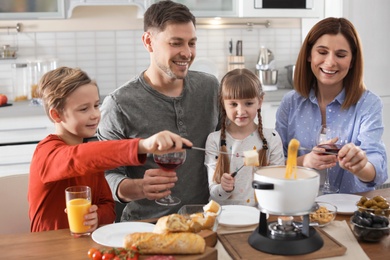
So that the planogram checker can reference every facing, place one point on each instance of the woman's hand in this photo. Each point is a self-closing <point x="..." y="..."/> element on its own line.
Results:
<point x="91" y="219"/>
<point x="227" y="182"/>
<point x="317" y="160"/>
<point x="352" y="158"/>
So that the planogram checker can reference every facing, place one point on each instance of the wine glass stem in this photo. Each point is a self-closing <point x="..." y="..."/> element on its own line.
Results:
<point x="326" y="183"/>
<point x="169" y="199"/>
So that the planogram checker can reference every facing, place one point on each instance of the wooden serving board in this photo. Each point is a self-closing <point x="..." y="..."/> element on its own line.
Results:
<point x="209" y="254"/>
<point x="236" y="244"/>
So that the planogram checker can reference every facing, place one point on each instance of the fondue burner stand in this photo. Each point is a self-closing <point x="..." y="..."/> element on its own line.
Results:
<point x="285" y="237"/>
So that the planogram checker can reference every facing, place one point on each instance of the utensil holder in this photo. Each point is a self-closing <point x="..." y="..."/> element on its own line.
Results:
<point x="236" y="62"/>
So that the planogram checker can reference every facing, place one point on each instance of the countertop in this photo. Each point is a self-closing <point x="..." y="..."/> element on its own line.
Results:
<point x="21" y="109"/>
<point x="27" y="109"/>
<point x="275" y="96"/>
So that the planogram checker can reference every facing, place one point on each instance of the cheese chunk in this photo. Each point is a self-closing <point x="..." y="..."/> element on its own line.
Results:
<point x="251" y="158"/>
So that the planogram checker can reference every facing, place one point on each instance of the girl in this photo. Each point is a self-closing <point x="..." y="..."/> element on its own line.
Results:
<point x="240" y="100"/>
<point x="71" y="100"/>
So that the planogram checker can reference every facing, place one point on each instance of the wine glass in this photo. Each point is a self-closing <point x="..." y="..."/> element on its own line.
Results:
<point x="326" y="133"/>
<point x="169" y="162"/>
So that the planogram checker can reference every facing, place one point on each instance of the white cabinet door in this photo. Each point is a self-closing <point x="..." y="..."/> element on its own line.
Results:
<point x="215" y="8"/>
<point x="246" y="9"/>
<point x="16" y="158"/>
<point x="268" y="113"/>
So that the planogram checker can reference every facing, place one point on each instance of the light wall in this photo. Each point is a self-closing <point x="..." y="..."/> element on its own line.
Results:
<point x="106" y="43"/>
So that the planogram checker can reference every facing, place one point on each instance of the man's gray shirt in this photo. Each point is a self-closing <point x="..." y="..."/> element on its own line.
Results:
<point x="137" y="110"/>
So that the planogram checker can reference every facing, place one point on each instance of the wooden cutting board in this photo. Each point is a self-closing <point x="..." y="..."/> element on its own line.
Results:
<point x="209" y="254"/>
<point x="236" y="244"/>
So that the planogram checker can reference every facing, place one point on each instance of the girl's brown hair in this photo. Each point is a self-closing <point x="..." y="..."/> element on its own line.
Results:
<point x="56" y="85"/>
<point x="304" y="78"/>
<point x="238" y="84"/>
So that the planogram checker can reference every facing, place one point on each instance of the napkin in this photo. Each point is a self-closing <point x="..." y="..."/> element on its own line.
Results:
<point x="341" y="231"/>
<point x="222" y="229"/>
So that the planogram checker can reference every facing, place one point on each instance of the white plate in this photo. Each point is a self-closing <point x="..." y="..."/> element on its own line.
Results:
<point x="345" y="203"/>
<point x="112" y="235"/>
<point x="239" y="216"/>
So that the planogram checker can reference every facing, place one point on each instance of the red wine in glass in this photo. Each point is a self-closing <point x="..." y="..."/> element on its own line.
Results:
<point x="169" y="162"/>
<point x="330" y="148"/>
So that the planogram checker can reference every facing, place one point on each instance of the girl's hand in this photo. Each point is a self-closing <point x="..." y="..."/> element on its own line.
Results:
<point x="91" y="219"/>
<point x="227" y="182"/>
<point x="162" y="142"/>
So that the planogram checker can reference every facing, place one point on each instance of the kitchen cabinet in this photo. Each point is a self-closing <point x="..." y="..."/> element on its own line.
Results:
<point x="142" y="5"/>
<point x="21" y="123"/>
<point x="32" y="9"/>
<point x="246" y="9"/>
<point x="268" y="113"/>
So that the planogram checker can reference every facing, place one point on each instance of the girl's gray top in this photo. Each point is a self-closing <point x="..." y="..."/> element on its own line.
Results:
<point x="137" y="110"/>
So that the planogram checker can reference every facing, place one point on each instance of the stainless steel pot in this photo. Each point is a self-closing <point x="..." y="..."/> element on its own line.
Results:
<point x="268" y="77"/>
<point x="290" y="74"/>
<point x="280" y="196"/>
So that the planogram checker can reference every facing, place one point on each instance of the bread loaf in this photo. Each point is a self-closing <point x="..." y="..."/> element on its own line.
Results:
<point x="172" y="223"/>
<point x="212" y="206"/>
<point x="168" y="243"/>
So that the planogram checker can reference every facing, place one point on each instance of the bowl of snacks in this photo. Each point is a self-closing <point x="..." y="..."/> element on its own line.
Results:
<point x="378" y="205"/>
<point x="323" y="215"/>
<point x="369" y="227"/>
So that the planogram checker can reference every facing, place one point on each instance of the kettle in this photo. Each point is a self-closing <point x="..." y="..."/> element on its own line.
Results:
<point x="265" y="58"/>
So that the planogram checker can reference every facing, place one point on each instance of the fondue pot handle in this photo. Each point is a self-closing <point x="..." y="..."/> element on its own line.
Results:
<point x="262" y="185"/>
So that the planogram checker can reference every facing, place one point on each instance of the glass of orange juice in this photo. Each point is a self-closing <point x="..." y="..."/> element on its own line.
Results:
<point x="78" y="202"/>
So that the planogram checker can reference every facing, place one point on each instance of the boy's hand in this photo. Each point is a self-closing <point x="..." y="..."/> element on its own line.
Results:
<point x="162" y="142"/>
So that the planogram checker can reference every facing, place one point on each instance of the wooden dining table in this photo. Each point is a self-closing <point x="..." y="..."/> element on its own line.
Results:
<point x="59" y="244"/>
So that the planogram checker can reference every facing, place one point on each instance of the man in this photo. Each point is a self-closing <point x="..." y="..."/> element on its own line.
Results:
<point x="167" y="96"/>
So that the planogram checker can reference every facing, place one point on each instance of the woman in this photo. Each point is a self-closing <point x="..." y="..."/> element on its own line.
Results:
<point x="329" y="89"/>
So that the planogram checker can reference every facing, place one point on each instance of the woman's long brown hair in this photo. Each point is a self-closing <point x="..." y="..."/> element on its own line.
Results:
<point x="304" y="78"/>
<point x="238" y="84"/>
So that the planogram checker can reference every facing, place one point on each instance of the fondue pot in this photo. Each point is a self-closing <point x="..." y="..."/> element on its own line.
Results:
<point x="281" y="196"/>
<point x="285" y="197"/>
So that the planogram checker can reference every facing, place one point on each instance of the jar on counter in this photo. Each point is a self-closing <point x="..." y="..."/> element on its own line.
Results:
<point x="37" y="68"/>
<point x="21" y="82"/>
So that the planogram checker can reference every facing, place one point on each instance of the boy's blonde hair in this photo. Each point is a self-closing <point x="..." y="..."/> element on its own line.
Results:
<point x="238" y="84"/>
<point x="56" y="85"/>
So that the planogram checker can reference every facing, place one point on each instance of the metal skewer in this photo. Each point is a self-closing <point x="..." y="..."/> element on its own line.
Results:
<point x="210" y="151"/>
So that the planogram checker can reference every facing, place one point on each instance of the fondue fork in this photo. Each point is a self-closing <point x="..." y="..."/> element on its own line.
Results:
<point x="233" y="174"/>
<point x="210" y="151"/>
